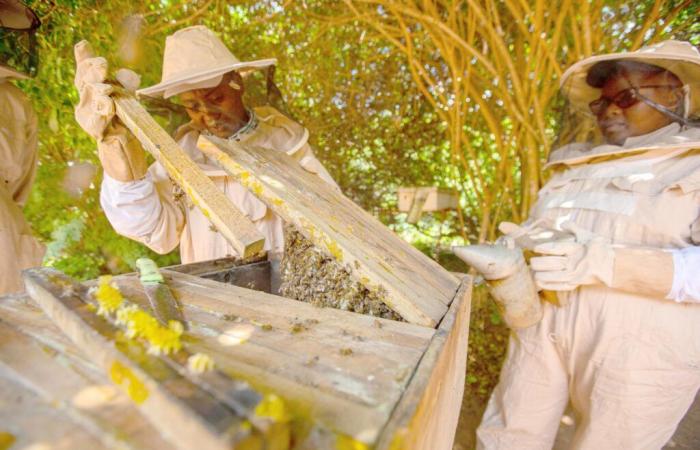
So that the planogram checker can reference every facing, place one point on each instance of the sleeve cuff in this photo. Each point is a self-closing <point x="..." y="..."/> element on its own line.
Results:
<point x="686" y="283"/>
<point x="132" y="207"/>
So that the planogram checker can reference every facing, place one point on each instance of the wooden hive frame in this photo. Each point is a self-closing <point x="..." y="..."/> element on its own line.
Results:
<point x="377" y="382"/>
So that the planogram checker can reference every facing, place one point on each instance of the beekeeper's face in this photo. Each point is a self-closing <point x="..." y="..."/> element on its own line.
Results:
<point x="620" y="111"/>
<point x="220" y="109"/>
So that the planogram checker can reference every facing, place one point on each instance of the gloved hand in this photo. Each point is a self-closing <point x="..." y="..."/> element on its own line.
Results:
<point x="120" y="153"/>
<point x="312" y="165"/>
<point x="95" y="109"/>
<point x="529" y="235"/>
<point x="587" y="260"/>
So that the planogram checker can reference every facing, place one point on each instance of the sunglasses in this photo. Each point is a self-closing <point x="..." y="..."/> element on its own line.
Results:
<point x="624" y="99"/>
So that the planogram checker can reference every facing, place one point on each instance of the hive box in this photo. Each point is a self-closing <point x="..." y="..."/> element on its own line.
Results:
<point x="346" y="379"/>
<point x="436" y="199"/>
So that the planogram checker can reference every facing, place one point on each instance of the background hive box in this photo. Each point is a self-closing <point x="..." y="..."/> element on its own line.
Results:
<point x="436" y="199"/>
<point x="377" y="381"/>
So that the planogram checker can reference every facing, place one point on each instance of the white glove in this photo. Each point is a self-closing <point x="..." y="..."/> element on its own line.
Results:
<point x="588" y="260"/>
<point x="120" y="153"/>
<point x="529" y="235"/>
<point x="312" y="165"/>
<point x="129" y="79"/>
<point x="96" y="108"/>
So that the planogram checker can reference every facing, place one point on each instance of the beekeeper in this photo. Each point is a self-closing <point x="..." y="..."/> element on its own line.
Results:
<point x="18" y="143"/>
<point x="139" y="201"/>
<point x="623" y="344"/>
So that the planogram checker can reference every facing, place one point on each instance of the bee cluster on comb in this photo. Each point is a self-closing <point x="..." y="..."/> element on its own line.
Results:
<point x="309" y="275"/>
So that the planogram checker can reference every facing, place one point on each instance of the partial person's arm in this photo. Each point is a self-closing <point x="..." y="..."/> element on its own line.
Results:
<point x="645" y="271"/>
<point x="138" y="204"/>
<point x="144" y="210"/>
<point x="120" y="153"/>
<point x="671" y="274"/>
<point x="589" y="260"/>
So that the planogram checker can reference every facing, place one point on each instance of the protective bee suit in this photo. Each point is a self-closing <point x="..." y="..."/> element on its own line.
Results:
<point x="18" y="154"/>
<point x="18" y="157"/>
<point x="623" y="345"/>
<point x="140" y="202"/>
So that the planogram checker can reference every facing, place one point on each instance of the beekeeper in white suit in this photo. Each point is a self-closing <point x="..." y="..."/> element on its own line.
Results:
<point x="140" y="202"/>
<point x="18" y="144"/>
<point x="623" y="345"/>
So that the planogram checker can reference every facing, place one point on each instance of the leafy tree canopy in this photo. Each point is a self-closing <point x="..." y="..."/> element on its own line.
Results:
<point x="457" y="94"/>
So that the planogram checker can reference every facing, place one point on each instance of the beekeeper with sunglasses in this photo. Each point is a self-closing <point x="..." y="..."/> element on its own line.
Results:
<point x="622" y="345"/>
<point x="209" y="81"/>
<point x="18" y="143"/>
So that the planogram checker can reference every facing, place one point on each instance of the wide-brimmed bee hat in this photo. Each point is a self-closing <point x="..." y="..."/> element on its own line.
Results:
<point x="582" y="82"/>
<point x="195" y="58"/>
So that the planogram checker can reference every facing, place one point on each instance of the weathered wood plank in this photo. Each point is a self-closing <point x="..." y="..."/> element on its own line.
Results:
<point x="294" y="329"/>
<point x="88" y="399"/>
<point x="340" y="215"/>
<point x="27" y="422"/>
<point x="27" y="317"/>
<point x="352" y="393"/>
<point x="216" y="265"/>
<point x="427" y="415"/>
<point x="417" y="288"/>
<point x="230" y="222"/>
<point x="187" y="415"/>
<point x="349" y="369"/>
<point x="327" y="409"/>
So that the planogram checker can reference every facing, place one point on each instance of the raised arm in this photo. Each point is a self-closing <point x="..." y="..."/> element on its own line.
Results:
<point x="138" y="202"/>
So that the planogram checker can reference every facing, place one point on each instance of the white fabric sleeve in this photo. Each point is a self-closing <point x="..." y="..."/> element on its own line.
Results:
<point x="143" y="212"/>
<point x="132" y="207"/>
<point x="686" y="275"/>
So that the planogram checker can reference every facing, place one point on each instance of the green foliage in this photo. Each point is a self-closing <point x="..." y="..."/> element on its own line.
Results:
<point x="368" y="123"/>
<point x="488" y="339"/>
<point x="79" y="239"/>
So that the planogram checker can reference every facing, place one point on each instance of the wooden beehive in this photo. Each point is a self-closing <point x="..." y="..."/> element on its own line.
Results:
<point x="416" y="200"/>
<point x="434" y="198"/>
<point x="347" y="380"/>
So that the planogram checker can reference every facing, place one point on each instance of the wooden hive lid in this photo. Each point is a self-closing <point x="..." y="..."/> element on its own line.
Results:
<point x="415" y="286"/>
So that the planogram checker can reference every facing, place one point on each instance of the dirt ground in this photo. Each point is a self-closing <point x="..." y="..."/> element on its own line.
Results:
<point x="469" y="418"/>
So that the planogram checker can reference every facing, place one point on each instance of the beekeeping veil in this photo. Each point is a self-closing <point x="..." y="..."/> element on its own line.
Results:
<point x="196" y="58"/>
<point x="581" y="91"/>
<point x="18" y="49"/>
